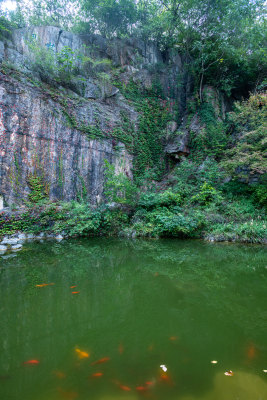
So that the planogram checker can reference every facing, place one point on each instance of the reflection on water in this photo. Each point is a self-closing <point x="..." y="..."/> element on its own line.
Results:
<point x="138" y="305"/>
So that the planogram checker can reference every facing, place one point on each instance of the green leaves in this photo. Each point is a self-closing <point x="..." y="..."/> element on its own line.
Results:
<point x="247" y="155"/>
<point x="118" y="186"/>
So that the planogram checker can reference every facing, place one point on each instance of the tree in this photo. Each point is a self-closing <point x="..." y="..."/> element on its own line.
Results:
<point x="248" y="154"/>
<point x="110" y="17"/>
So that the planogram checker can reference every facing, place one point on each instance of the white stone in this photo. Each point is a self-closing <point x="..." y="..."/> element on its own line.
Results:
<point x="16" y="247"/>
<point x="1" y="202"/>
<point x="22" y="236"/>
<point x="59" y="238"/>
<point x="10" y="241"/>
<point x="3" y="248"/>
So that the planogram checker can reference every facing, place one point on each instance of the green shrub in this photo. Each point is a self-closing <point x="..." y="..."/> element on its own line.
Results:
<point x="212" y="139"/>
<point x="118" y="187"/>
<point x="152" y="200"/>
<point x="249" y="144"/>
<point x="253" y="231"/>
<point x="39" y="189"/>
<point x="206" y="195"/>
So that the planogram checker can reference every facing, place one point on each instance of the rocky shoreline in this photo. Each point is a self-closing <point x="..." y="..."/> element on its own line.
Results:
<point x="14" y="243"/>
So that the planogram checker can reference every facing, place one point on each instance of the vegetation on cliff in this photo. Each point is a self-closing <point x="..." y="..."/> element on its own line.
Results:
<point x="216" y="190"/>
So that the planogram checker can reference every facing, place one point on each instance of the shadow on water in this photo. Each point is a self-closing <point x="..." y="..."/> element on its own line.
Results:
<point x="142" y="304"/>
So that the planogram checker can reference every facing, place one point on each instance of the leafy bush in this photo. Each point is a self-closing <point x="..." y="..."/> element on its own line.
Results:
<point x="206" y="195"/>
<point x="260" y="194"/>
<point x="51" y="65"/>
<point x="152" y="200"/>
<point x="39" y="189"/>
<point x="212" y="138"/>
<point x="118" y="187"/>
<point x="251" y="231"/>
<point x="247" y="155"/>
<point x="178" y="225"/>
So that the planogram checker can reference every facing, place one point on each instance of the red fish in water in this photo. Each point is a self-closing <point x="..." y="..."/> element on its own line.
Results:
<point x="45" y="284"/>
<point x="141" y="388"/>
<point x="97" y="374"/>
<point x="125" y="388"/>
<point x="101" y="361"/>
<point x="75" y="292"/>
<point x="59" y="374"/>
<point x="164" y="377"/>
<point x="121" y="348"/>
<point x="32" y="362"/>
<point x="72" y="287"/>
<point x="251" y="352"/>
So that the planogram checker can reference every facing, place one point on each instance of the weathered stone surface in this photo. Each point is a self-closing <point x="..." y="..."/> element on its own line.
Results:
<point x="171" y="126"/>
<point x="16" y="247"/>
<point x="35" y="133"/>
<point x="3" y="248"/>
<point x="177" y="144"/>
<point x="10" y="241"/>
<point x="35" y="138"/>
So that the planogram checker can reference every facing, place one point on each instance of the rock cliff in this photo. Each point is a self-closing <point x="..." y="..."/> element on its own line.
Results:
<point x="63" y="131"/>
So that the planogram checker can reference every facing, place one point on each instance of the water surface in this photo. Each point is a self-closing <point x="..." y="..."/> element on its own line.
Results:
<point x="142" y="304"/>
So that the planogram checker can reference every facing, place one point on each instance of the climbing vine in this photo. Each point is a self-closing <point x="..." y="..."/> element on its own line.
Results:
<point x="39" y="188"/>
<point x="154" y="113"/>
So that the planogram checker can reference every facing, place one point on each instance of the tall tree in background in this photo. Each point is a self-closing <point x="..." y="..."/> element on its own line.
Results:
<point x="223" y="39"/>
<point x="110" y="17"/>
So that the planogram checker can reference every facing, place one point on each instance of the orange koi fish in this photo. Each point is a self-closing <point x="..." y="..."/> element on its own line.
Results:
<point x="45" y="284"/>
<point x="59" y="374"/>
<point x="141" y="388"/>
<point x="101" y="361"/>
<point x="174" y="338"/>
<point x="164" y="377"/>
<point x="229" y="373"/>
<point x="72" y="287"/>
<point x="82" y="354"/>
<point x="32" y="362"/>
<point x="251" y="352"/>
<point x="125" y="388"/>
<point x="97" y="374"/>
<point x="121" y="348"/>
<point x="75" y="292"/>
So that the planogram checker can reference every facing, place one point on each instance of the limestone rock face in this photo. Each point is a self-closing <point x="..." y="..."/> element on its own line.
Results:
<point x="35" y="138"/>
<point x="41" y="119"/>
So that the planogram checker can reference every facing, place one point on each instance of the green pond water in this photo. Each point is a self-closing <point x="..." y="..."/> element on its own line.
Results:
<point x="141" y="304"/>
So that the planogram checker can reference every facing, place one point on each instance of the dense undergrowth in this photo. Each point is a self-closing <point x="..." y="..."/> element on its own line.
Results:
<point x="198" y="205"/>
<point x="208" y="195"/>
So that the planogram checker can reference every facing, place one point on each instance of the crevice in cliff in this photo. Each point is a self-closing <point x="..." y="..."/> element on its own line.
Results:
<point x="58" y="38"/>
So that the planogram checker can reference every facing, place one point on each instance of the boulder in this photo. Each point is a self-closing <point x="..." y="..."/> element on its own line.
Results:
<point x="16" y="247"/>
<point x="177" y="144"/>
<point x="10" y="241"/>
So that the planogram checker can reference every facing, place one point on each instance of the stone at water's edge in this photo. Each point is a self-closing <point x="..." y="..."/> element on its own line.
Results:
<point x="3" y="248"/>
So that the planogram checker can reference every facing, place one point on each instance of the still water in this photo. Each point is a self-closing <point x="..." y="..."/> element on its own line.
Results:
<point x="148" y="319"/>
